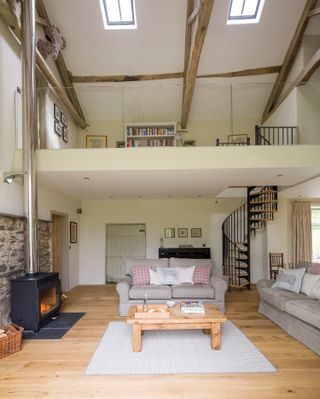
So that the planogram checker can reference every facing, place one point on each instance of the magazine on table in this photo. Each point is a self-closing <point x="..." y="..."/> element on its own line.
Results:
<point x="192" y="307"/>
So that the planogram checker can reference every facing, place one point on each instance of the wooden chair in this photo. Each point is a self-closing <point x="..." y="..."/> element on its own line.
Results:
<point x="275" y="262"/>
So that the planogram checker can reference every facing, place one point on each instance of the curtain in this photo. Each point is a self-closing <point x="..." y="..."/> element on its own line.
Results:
<point x="302" y="232"/>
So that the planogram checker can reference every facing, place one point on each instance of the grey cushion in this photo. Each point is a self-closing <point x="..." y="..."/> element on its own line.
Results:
<point x="278" y="297"/>
<point x="130" y="262"/>
<point x="307" y="310"/>
<point x="192" y="291"/>
<point x="152" y="291"/>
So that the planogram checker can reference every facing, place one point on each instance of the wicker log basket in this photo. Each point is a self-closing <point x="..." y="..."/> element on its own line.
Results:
<point x="10" y="339"/>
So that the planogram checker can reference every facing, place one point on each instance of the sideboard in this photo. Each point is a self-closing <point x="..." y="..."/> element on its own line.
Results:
<point x="192" y="253"/>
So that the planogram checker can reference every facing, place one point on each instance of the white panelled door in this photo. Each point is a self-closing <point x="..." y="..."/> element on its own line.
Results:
<point x="123" y="240"/>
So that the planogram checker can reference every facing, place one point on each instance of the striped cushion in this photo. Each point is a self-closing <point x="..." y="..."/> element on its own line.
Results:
<point x="201" y="275"/>
<point x="140" y="275"/>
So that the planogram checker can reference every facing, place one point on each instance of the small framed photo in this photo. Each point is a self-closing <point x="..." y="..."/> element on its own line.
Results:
<point x="73" y="232"/>
<point x="65" y="134"/>
<point x="182" y="232"/>
<point x="169" y="232"/>
<point x="56" y="112"/>
<point x="196" y="232"/>
<point x="96" y="141"/>
<point x="58" y="128"/>
<point x="64" y="119"/>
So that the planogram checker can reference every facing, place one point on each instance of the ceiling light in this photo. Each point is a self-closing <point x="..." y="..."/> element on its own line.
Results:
<point x="280" y="175"/>
<point x="86" y="178"/>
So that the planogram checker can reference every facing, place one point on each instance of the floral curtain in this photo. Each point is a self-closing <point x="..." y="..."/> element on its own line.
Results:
<point x="302" y="232"/>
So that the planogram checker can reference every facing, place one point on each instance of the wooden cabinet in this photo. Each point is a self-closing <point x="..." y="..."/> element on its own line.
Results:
<point x="191" y="253"/>
<point x="156" y="134"/>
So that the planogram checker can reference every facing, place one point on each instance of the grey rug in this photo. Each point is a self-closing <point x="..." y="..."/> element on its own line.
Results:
<point x="176" y="352"/>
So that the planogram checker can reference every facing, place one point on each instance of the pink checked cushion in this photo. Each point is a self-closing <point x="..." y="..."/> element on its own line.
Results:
<point x="140" y="275"/>
<point x="201" y="275"/>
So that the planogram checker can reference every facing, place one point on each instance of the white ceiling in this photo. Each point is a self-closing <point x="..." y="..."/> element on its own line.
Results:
<point x="157" y="46"/>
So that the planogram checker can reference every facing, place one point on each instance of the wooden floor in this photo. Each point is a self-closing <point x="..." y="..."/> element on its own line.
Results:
<point x="55" y="369"/>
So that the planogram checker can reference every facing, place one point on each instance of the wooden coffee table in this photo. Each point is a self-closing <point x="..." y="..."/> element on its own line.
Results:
<point x="209" y="322"/>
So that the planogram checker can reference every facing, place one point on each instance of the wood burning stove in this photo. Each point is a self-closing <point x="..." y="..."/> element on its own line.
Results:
<point x="35" y="299"/>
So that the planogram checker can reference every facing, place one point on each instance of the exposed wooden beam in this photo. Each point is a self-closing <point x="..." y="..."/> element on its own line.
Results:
<point x="63" y="71"/>
<point x="244" y="72"/>
<point x="315" y="11"/>
<point x="289" y="58"/>
<point x="187" y="45"/>
<point x="311" y="66"/>
<point x="202" y="26"/>
<point x="172" y="75"/>
<point x="125" y="78"/>
<point x="11" y="21"/>
<point x="194" y="13"/>
<point x="41" y="21"/>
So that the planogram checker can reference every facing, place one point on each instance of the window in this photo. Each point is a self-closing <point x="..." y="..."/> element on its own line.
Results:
<point x="118" y="14"/>
<point x="245" y="11"/>
<point x="315" y="220"/>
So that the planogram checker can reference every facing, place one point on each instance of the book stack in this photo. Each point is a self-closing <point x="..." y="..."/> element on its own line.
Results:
<point x="192" y="307"/>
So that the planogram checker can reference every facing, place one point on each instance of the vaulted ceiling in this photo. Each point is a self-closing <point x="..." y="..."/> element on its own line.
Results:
<point x="157" y="46"/>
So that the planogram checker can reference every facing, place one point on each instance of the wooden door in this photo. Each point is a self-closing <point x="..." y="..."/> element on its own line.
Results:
<point x="123" y="240"/>
<point x="59" y="249"/>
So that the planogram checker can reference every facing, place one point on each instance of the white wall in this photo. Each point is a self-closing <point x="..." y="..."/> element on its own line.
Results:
<point x="204" y="133"/>
<point x="156" y="214"/>
<point x="10" y="79"/>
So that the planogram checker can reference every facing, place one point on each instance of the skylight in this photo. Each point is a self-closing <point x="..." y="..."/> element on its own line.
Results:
<point x="245" y="11"/>
<point x="118" y="14"/>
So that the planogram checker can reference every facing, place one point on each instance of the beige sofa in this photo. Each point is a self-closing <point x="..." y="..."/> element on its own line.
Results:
<point x="212" y="293"/>
<point x="297" y="314"/>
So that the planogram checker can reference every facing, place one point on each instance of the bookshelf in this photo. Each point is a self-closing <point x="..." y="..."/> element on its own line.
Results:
<point x="162" y="134"/>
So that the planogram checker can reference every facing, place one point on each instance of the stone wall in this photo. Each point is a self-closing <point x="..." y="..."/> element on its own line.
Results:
<point x="12" y="263"/>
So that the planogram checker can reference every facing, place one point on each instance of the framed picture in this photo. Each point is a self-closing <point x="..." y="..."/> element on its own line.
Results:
<point x="182" y="232"/>
<point x="73" y="232"/>
<point x="96" y="141"/>
<point x="64" y="119"/>
<point x="58" y="128"/>
<point x="56" y="112"/>
<point x="196" y="232"/>
<point x="169" y="232"/>
<point x="65" y="134"/>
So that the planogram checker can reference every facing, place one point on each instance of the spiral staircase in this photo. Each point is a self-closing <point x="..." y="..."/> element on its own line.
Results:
<point x="238" y="229"/>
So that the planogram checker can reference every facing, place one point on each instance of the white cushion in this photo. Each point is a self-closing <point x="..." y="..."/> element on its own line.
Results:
<point x="289" y="279"/>
<point x="155" y="277"/>
<point x="168" y="275"/>
<point x="315" y="293"/>
<point x="308" y="282"/>
<point x="185" y="274"/>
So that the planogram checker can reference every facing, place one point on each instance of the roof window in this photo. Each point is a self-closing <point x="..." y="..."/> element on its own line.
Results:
<point x="245" y="11"/>
<point x="118" y="14"/>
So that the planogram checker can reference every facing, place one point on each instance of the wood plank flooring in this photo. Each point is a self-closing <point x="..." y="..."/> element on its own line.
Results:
<point x="55" y="368"/>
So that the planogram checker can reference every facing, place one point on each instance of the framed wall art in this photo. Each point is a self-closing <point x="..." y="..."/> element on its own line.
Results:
<point x="65" y="134"/>
<point x="64" y="119"/>
<point x="96" y="141"/>
<point x="169" y="232"/>
<point x="73" y="232"/>
<point x="182" y="232"/>
<point x="196" y="232"/>
<point x="58" y="128"/>
<point x="56" y="112"/>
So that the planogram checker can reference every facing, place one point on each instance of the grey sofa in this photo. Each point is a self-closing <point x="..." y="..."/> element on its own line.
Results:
<point x="297" y="314"/>
<point x="212" y="293"/>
